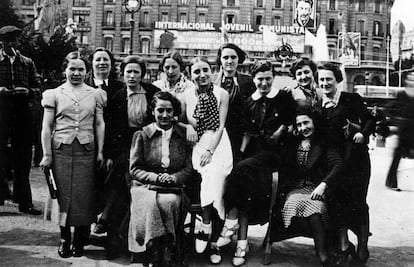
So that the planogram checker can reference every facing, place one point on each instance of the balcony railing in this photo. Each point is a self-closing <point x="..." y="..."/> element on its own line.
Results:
<point x="146" y="25"/>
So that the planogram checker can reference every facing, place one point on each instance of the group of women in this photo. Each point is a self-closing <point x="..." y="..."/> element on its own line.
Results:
<point x="233" y="129"/>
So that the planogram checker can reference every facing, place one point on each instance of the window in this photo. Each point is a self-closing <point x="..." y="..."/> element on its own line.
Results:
<point x="164" y="2"/>
<point x="125" y="45"/>
<point x="183" y="2"/>
<point x="109" y="42"/>
<point x="202" y="2"/>
<point x="230" y="18"/>
<point x="332" y="4"/>
<point x="182" y="51"/>
<point x="81" y="18"/>
<point x="146" y="17"/>
<point x="362" y="52"/>
<point x="145" y="46"/>
<point x="231" y="3"/>
<point x="164" y="50"/>
<point x="259" y="19"/>
<point x="359" y="80"/>
<point x="361" y="6"/>
<point x="278" y="3"/>
<point x="109" y="1"/>
<point x="377" y="28"/>
<point x="80" y="2"/>
<point x="259" y="3"/>
<point x="361" y="27"/>
<point x="331" y="26"/>
<point x="276" y="20"/>
<point x="28" y="2"/>
<point x="377" y="7"/>
<point x="164" y="16"/>
<point x="201" y="52"/>
<point x="183" y="17"/>
<point x="202" y="17"/>
<point x="376" y="53"/>
<point x="83" y="38"/>
<point x="126" y="17"/>
<point x="109" y="18"/>
<point x="145" y="2"/>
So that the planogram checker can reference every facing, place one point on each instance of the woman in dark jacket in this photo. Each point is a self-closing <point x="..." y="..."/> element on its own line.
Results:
<point x="160" y="163"/>
<point x="349" y="125"/>
<point x="310" y="168"/>
<point x="128" y="111"/>
<point x="239" y="86"/>
<point x="269" y="112"/>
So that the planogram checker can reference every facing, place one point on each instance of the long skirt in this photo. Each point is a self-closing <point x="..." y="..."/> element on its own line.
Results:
<point x="74" y="171"/>
<point x="214" y="174"/>
<point x="249" y="186"/>
<point x="299" y="204"/>
<point x="153" y="215"/>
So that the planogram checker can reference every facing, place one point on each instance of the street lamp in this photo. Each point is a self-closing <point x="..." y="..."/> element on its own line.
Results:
<point x="132" y="7"/>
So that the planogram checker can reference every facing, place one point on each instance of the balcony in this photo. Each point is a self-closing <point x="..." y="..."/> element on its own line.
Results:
<point x="376" y="64"/>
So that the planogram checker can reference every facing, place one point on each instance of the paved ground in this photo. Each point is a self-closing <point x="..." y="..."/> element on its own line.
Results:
<point x="32" y="241"/>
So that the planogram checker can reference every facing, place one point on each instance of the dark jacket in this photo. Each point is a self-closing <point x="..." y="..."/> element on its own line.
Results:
<point x="350" y="107"/>
<point x="145" y="156"/>
<point x="119" y="135"/>
<point x="112" y="87"/>
<point x="324" y="164"/>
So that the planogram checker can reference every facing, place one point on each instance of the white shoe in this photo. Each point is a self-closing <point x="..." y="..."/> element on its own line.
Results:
<point x="215" y="255"/>
<point x="226" y="234"/>
<point x="202" y="238"/>
<point x="240" y="256"/>
<point x="223" y="241"/>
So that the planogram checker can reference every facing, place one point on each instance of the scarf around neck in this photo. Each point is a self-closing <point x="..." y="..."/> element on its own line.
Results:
<point x="206" y="112"/>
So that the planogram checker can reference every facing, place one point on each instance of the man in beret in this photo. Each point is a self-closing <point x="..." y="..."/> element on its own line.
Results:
<point x="18" y="81"/>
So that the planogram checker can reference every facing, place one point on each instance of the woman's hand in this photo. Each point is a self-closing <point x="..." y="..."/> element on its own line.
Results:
<point x="205" y="158"/>
<point x="100" y="160"/>
<point x="319" y="192"/>
<point x="46" y="161"/>
<point x="192" y="136"/>
<point x="358" y="138"/>
<point x="109" y="163"/>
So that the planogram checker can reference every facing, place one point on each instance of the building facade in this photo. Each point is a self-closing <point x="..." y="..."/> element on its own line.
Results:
<point x="106" y="23"/>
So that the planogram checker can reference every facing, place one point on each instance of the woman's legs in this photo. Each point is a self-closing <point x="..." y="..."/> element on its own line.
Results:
<point x="64" y="247"/>
<point x="319" y="236"/>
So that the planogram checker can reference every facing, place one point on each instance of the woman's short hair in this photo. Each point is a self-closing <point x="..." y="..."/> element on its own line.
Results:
<point x="74" y="55"/>
<point x="332" y="67"/>
<point x="176" y="56"/>
<point x="111" y="58"/>
<point x="240" y="53"/>
<point x="167" y="96"/>
<point x="134" y="59"/>
<point x="261" y="66"/>
<point x="301" y="63"/>
<point x="311" y="112"/>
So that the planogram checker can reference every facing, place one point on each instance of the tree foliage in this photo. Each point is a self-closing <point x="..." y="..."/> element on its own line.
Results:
<point x="8" y="15"/>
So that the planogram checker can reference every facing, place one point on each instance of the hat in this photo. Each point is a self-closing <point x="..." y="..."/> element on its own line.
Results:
<point x="8" y="32"/>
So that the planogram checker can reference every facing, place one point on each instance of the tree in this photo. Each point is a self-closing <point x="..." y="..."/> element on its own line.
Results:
<point x="8" y="15"/>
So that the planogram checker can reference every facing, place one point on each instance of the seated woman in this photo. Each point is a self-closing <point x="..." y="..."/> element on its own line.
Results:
<point x="309" y="169"/>
<point x="269" y="112"/>
<point x="160" y="162"/>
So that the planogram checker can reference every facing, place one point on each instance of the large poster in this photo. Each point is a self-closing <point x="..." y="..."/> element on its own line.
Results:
<point x="304" y="13"/>
<point x="211" y="40"/>
<point x="349" y="48"/>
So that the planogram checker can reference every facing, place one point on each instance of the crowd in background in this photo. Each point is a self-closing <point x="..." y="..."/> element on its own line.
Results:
<point x="125" y="152"/>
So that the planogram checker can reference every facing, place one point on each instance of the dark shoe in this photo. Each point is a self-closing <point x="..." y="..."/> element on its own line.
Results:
<point x="342" y="256"/>
<point x="394" y="189"/>
<point x="101" y="227"/>
<point x="30" y="210"/>
<point x="112" y="254"/>
<point x="64" y="249"/>
<point x="77" y="251"/>
<point x="359" y="261"/>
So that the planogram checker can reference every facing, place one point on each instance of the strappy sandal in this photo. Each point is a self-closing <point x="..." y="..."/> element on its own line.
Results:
<point x="226" y="234"/>
<point x="240" y="256"/>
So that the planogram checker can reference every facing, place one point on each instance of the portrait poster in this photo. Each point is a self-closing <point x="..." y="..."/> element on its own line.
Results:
<point x="349" y="48"/>
<point x="304" y="13"/>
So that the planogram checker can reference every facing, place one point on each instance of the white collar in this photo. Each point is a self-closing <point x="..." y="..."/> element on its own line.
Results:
<point x="98" y="82"/>
<point x="273" y="92"/>
<point x="140" y="91"/>
<point x="166" y="132"/>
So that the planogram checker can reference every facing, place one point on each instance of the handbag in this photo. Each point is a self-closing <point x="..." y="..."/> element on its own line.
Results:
<point x="51" y="183"/>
